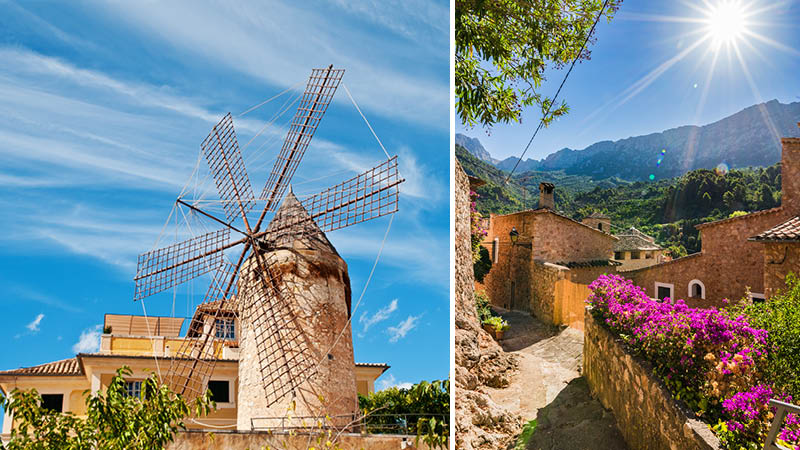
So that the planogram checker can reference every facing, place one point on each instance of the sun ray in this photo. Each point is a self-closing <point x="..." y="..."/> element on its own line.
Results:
<point x="757" y="94"/>
<point x="637" y="87"/>
<point x="772" y="42"/>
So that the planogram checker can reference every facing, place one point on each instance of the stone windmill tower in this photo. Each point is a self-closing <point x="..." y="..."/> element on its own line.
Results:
<point x="289" y="286"/>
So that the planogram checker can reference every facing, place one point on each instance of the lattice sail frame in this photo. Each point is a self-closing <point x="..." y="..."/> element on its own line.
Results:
<point x="285" y="360"/>
<point x="224" y="158"/>
<point x="163" y="268"/>
<point x="318" y="95"/>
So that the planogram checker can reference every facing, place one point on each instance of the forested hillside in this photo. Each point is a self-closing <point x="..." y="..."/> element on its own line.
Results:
<point x="666" y="209"/>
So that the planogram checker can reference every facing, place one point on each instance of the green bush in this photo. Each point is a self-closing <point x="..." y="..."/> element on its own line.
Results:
<point x="113" y="421"/>
<point x="482" y="306"/>
<point x="423" y="410"/>
<point x="482" y="265"/>
<point x="780" y="316"/>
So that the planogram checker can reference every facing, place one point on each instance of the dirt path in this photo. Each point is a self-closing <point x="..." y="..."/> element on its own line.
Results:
<point x="550" y="389"/>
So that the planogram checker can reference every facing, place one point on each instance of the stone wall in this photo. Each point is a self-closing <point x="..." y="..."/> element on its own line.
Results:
<point x="780" y="259"/>
<point x="727" y="265"/>
<point x="790" y="173"/>
<point x="479" y="360"/>
<point x="558" y="239"/>
<point x="198" y="440"/>
<point x="647" y="415"/>
<point x="543" y="278"/>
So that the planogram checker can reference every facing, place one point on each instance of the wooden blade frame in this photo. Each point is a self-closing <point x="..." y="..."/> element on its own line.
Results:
<point x="285" y="359"/>
<point x="194" y="361"/>
<point x="318" y="94"/>
<point x="367" y="196"/>
<point x="166" y="267"/>
<point x="225" y="161"/>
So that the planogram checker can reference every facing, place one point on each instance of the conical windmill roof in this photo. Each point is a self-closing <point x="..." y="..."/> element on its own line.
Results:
<point x="303" y="230"/>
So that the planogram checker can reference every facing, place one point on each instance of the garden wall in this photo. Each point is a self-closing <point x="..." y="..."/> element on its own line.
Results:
<point x="647" y="415"/>
<point x="253" y="440"/>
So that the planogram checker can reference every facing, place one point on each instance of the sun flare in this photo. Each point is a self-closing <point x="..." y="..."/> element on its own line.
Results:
<point x="726" y="22"/>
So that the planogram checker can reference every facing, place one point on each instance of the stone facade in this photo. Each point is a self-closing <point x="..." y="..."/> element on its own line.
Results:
<point x="729" y="264"/>
<point x="647" y="415"/>
<point x="780" y="259"/>
<point x="524" y="272"/>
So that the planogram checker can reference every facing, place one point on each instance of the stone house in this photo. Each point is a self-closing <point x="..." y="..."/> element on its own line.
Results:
<point x="636" y="250"/>
<point x="749" y="253"/>
<point x="539" y="256"/>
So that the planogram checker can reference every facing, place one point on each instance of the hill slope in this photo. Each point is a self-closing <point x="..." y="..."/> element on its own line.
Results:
<point x="750" y="137"/>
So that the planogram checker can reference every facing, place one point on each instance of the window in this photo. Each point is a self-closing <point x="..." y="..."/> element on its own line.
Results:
<point x="133" y="389"/>
<point x="53" y="402"/>
<point x="648" y="255"/>
<point x="600" y="226"/>
<point x="220" y="391"/>
<point x="664" y="290"/>
<point x="635" y="255"/>
<point x="697" y="289"/>
<point x="758" y="298"/>
<point x="495" y="245"/>
<point x="226" y="329"/>
<point x="618" y="256"/>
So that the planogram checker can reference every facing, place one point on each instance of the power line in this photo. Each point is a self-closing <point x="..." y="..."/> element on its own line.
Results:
<point x="541" y="122"/>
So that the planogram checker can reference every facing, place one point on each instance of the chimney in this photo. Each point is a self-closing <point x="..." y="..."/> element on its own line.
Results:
<point x="546" y="195"/>
<point x="790" y="174"/>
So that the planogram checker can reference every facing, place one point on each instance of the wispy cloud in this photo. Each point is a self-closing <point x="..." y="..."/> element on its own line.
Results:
<point x="379" y="316"/>
<point x="89" y="341"/>
<point x="232" y="35"/>
<point x="34" y="326"/>
<point x="390" y="381"/>
<point x="401" y="329"/>
<point x="20" y="292"/>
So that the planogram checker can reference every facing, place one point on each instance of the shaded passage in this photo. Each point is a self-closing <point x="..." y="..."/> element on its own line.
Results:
<point x="550" y="389"/>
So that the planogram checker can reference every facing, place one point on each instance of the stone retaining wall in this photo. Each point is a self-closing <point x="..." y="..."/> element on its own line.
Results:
<point x="647" y="415"/>
<point x="201" y="440"/>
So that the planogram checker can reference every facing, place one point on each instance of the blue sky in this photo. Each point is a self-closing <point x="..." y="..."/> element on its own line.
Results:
<point x="104" y="106"/>
<point x="648" y="73"/>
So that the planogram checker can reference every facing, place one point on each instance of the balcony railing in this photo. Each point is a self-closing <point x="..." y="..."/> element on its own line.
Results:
<point x="777" y="423"/>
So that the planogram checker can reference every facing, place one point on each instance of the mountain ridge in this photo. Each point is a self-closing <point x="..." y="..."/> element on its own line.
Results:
<point x="747" y="138"/>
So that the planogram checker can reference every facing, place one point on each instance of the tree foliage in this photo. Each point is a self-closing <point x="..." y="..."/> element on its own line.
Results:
<point x="423" y="409"/>
<point x="780" y="316"/>
<point x="114" y="420"/>
<point x="504" y="46"/>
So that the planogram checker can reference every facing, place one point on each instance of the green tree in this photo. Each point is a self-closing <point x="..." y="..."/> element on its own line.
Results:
<point x="423" y="409"/>
<point x="114" y="420"/>
<point x="504" y="46"/>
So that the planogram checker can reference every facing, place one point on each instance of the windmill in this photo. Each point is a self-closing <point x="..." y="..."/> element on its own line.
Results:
<point x="254" y="284"/>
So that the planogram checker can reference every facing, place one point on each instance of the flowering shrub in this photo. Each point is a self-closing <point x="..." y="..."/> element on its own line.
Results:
<point x="750" y="417"/>
<point x="477" y="231"/>
<point x="711" y="359"/>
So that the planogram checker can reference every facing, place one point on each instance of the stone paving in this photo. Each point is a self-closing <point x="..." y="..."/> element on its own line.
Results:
<point x="550" y="389"/>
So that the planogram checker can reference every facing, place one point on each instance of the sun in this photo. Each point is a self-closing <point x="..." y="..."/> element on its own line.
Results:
<point x="726" y="22"/>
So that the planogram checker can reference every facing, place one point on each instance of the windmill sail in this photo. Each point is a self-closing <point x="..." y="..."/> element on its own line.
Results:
<point x="318" y="95"/>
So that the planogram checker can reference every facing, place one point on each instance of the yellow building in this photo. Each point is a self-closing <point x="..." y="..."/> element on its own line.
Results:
<point x="145" y="344"/>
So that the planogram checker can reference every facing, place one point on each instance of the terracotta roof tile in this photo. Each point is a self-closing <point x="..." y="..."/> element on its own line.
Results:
<point x="63" y="367"/>
<point x="786" y="231"/>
